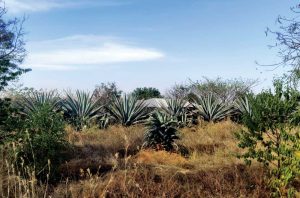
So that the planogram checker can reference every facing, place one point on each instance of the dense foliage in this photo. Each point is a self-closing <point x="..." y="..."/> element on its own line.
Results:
<point x="12" y="51"/>
<point x="144" y="93"/>
<point x="271" y="137"/>
<point x="43" y="140"/>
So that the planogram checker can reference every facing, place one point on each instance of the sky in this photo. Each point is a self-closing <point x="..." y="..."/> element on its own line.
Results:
<point x="77" y="44"/>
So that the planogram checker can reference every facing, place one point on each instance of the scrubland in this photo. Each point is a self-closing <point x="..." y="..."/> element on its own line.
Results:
<point x="112" y="163"/>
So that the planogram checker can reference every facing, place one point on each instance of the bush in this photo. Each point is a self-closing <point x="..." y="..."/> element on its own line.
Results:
<point x="8" y="120"/>
<point x="271" y="137"/>
<point x="144" y="93"/>
<point x="42" y="139"/>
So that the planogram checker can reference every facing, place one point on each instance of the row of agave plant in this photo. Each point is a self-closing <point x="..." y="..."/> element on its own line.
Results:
<point x="82" y="110"/>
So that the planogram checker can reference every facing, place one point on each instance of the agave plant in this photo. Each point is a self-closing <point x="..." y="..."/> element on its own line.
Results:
<point x="128" y="110"/>
<point x="104" y="121"/>
<point x="161" y="132"/>
<point x="242" y="105"/>
<point x="178" y="110"/>
<point x="81" y="109"/>
<point x="174" y="107"/>
<point x="34" y="100"/>
<point x="210" y="108"/>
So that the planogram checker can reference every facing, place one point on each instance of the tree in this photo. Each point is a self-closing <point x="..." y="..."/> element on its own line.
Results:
<point x="225" y="90"/>
<point x="178" y="91"/>
<point x="105" y="92"/>
<point x="288" y="45"/>
<point x="12" y="50"/>
<point x="146" y="93"/>
<point x="271" y="137"/>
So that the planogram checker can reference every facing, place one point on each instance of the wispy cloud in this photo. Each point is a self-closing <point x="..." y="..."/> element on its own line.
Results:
<point x="25" y="6"/>
<point x="84" y="51"/>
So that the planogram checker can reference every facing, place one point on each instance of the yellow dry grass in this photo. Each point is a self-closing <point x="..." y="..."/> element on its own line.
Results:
<point x="110" y="163"/>
<point x="160" y="158"/>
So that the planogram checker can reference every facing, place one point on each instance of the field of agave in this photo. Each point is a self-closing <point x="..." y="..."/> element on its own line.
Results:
<point x="77" y="144"/>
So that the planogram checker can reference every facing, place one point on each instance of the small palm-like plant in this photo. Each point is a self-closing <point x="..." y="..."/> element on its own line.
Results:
<point x="161" y="132"/>
<point x="211" y="109"/>
<point x="81" y="109"/>
<point x="34" y="100"/>
<point x="128" y="110"/>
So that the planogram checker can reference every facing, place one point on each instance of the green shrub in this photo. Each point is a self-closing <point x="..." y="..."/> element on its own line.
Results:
<point x="271" y="137"/>
<point x="8" y="121"/>
<point x="42" y="139"/>
<point x="161" y="132"/>
<point x="144" y="93"/>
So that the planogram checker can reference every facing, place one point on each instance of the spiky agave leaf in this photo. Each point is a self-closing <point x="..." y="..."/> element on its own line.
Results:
<point x="174" y="107"/>
<point x="243" y="106"/>
<point x="34" y="100"/>
<point x="127" y="110"/>
<point x="178" y="110"/>
<point x="161" y="131"/>
<point x="81" y="108"/>
<point x="104" y="121"/>
<point x="211" y="109"/>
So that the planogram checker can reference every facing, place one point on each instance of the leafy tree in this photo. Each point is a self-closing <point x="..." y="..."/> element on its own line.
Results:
<point x="271" y="137"/>
<point x="12" y="51"/>
<point x="146" y="93"/>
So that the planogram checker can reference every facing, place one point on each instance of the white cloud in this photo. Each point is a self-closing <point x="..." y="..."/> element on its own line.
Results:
<point x="79" y="52"/>
<point x="21" y="6"/>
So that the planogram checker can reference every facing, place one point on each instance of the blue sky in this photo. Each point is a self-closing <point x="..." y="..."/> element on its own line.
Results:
<point x="81" y="43"/>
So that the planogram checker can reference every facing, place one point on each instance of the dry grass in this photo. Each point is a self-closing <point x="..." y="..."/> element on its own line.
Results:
<point x="109" y="163"/>
<point x="18" y="181"/>
<point x="213" y="145"/>
<point x="160" y="158"/>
